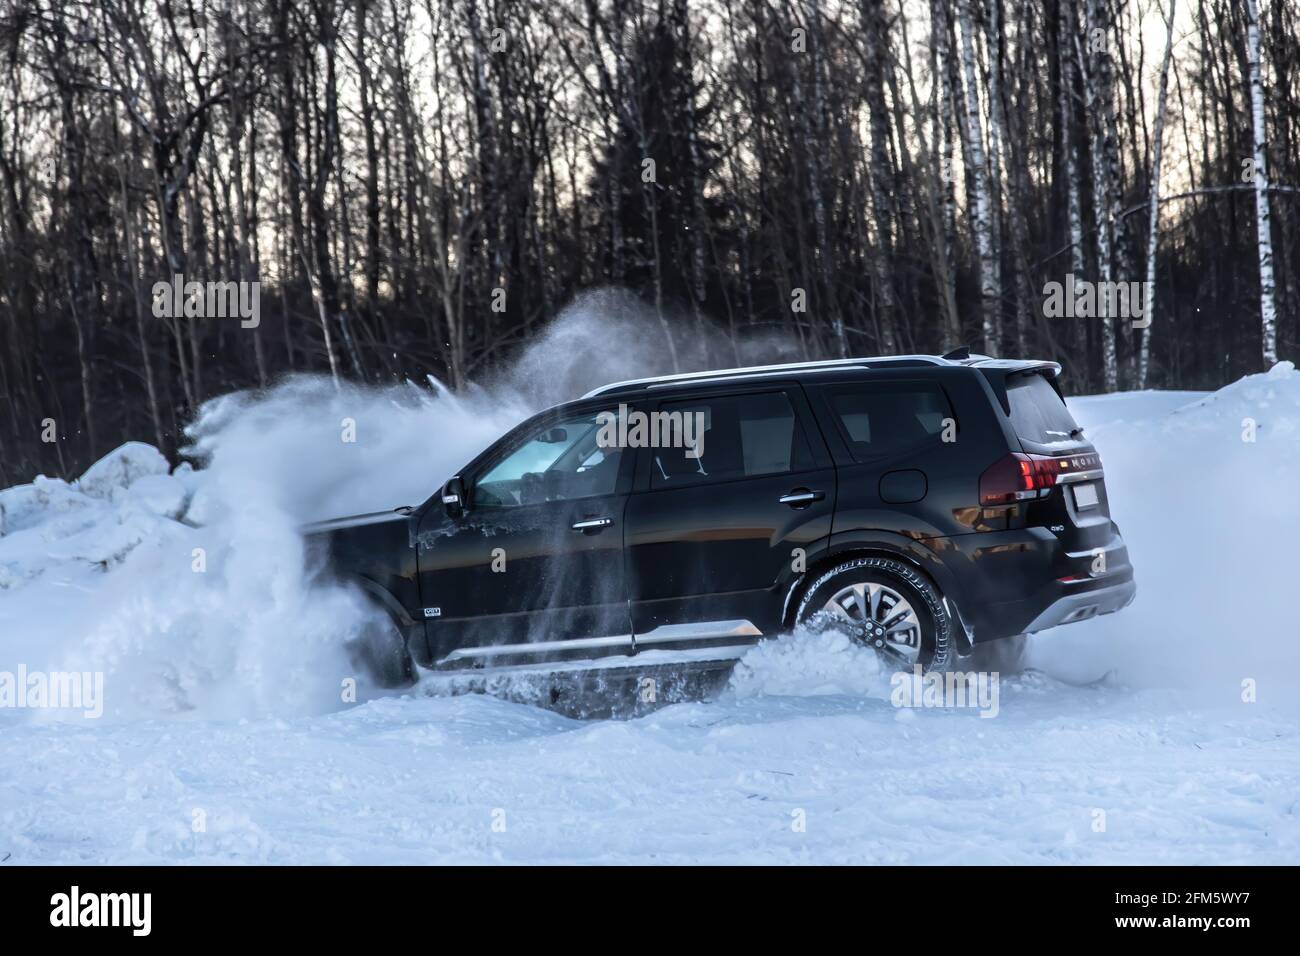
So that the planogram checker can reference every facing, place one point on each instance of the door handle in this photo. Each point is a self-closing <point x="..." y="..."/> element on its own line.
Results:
<point x="801" y="496"/>
<point x="592" y="524"/>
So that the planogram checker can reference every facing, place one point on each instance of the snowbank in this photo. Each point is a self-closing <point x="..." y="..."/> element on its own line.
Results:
<point x="111" y="573"/>
<point x="1206" y="497"/>
<point x="126" y="497"/>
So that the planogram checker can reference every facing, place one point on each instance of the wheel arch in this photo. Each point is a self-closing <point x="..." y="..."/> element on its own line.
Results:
<point x="411" y="629"/>
<point x="851" y="545"/>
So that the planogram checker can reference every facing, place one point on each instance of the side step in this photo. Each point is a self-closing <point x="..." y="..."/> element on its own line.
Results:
<point x="706" y="640"/>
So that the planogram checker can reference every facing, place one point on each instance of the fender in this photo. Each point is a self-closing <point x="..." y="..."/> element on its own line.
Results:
<point x="411" y="629"/>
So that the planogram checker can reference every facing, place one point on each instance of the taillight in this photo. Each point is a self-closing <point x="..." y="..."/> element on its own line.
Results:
<point x="1018" y="477"/>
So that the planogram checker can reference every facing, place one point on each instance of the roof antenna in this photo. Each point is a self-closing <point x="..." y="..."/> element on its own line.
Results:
<point x="958" y="354"/>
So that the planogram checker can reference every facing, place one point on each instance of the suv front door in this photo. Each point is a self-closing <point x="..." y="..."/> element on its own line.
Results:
<point x="712" y="541"/>
<point x="532" y="571"/>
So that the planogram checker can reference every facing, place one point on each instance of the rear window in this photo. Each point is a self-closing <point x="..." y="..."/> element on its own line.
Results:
<point x="1037" y="412"/>
<point x="880" y="420"/>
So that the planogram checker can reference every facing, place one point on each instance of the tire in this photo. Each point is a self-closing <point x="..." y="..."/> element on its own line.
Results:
<point x="380" y="653"/>
<point x="920" y="634"/>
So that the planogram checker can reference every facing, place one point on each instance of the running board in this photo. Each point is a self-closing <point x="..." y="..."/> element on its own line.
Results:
<point x="614" y="666"/>
<point x="703" y="631"/>
<point x="682" y="637"/>
<point x="540" y="648"/>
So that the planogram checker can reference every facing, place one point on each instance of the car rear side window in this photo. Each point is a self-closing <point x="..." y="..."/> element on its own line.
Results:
<point x="744" y="436"/>
<point x="1037" y="412"/>
<point x="878" y="420"/>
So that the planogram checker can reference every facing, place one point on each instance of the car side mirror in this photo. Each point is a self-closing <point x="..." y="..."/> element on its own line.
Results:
<point x="453" y="496"/>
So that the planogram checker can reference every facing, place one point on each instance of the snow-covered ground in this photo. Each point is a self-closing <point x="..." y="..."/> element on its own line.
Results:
<point x="224" y="739"/>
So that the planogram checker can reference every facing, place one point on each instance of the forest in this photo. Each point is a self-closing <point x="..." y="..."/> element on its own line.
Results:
<point x="384" y="190"/>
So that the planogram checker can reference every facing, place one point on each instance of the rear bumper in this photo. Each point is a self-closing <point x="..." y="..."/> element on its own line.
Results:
<point x="1018" y="582"/>
<point x="1085" y="604"/>
<point x="1058" y="602"/>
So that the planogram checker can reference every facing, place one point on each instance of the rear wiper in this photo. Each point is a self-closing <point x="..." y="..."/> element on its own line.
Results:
<point x="1076" y="432"/>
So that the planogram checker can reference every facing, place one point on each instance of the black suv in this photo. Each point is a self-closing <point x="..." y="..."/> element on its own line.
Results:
<point x="925" y="504"/>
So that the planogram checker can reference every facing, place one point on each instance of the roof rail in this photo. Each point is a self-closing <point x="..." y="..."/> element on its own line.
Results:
<point x="756" y="370"/>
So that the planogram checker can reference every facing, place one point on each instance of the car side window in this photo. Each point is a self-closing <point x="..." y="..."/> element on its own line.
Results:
<point x="878" y="420"/>
<point x="739" y="436"/>
<point x="559" y="461"/>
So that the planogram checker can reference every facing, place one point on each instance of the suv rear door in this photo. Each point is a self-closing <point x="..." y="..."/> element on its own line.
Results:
<point x="1077" y="510"/>
<point x="894" y="436"/>
<point x="711" y="542"/>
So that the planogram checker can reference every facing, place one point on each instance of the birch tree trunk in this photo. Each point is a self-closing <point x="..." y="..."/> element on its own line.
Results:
<point x="990" y="285"/>
<point x="1098" y="92"/>
<point x="1153" y="229"/>
<point x="1267" y="305"/>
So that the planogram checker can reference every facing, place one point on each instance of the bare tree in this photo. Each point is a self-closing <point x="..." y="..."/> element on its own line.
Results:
<point x="419" y="185"/>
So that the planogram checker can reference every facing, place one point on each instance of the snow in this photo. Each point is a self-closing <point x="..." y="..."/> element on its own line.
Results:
<point x="1205" y="496"/>
<point x="424" y="781"/>
<point x="810" y="664"/>
<point x="225" y="737"/>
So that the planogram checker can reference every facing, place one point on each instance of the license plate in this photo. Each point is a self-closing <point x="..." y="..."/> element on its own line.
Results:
<point x="1085" y="495"/>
